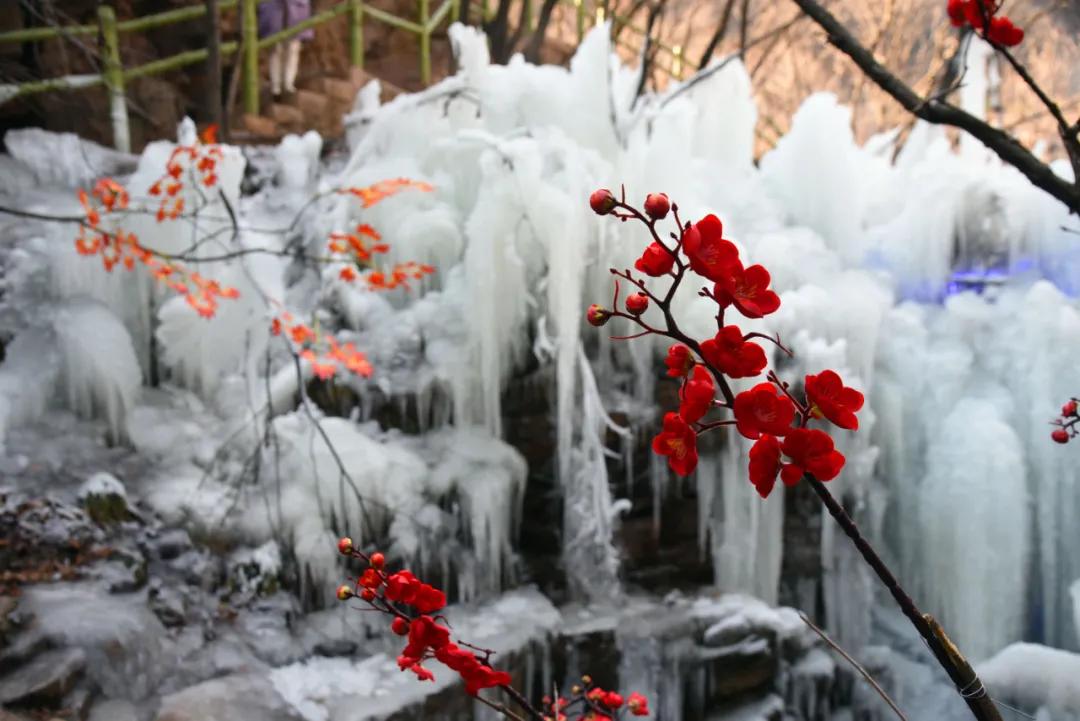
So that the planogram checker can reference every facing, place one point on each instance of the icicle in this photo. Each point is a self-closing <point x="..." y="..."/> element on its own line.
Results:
<point x="100" y="374"/>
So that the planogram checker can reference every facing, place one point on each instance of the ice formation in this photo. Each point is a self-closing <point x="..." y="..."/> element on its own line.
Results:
<point x="952" y="468"/>
<point x="1035" y="677"/>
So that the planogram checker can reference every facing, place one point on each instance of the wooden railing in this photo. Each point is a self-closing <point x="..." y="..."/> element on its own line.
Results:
<point x="114" y="76"/>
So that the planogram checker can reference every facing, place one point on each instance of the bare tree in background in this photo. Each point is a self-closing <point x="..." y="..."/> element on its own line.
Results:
<point x="938" y="110"/>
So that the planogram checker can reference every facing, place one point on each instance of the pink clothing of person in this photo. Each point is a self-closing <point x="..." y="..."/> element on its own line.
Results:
<point x="276" y="15"/>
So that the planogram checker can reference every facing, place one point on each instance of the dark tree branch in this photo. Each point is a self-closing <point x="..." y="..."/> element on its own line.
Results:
<point x="647" y="53"/>
<point x="717" y="36"/>
<point x="946" y="653"/>
<point x="939" y="112"/>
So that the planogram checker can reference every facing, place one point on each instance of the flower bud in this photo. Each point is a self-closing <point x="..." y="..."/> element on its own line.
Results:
<point x="399" y="626"/>
<point x="344" y="546"/>
<point x="657" y="205"/>
<point x="597" y="316"/>
<point x="602" y="201"/>
<point x="575" y="689"/>
<point x="377" y="560"/>
<point x="612" y="700"/>
<point x="637" y="303"/>
<point x="1060" y="435"/>
<point x="367" y="594"/>
<point x="344" y="593"/>
<point x="1069" y="409"/>
<point x="586" y="679"/>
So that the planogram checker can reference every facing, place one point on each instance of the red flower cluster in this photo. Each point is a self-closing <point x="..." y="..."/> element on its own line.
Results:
<point x="427" y="638"/>
<point x="982" y="16"/>
<point x="768" y="413"/>
<point x="593" y="703"/>
<point x="1066" y="423"/>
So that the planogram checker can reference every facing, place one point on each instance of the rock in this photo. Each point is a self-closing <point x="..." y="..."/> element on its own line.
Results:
<point x="125" y="572"/>
<point x="8" y="716"/>
<point x="11" y="620"/>
<point x="287" y="117"/>
<point x="171" y="544"/>
<point x="22" y="648"/>
<point x="45" y="680"/>
<point x="335" y="647"/>
<point x="112" y="710"/>
<point x="237" y="697"/>
<point x="76" y="704"/>
<point x="105" y="500"/>
<point x="64" y="159"/>
<point x="254" y="573"/>
<point x="168" y="604"/>
<point x="264" y="129"/>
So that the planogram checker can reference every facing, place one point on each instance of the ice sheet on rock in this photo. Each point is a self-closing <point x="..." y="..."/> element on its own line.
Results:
<point x="27" y="379"/>
<point x="1074" y="591"/>
<point x="1034" y="676"/>
<point x="99" y="371"/>
<point x="488" y="478"/>
<point x="969" y="535"/>
<point x="125" y="644"/>
<point x="64" y="159"/>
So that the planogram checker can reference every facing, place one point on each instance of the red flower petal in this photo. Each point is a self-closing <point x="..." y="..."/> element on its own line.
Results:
<point x="764" y="464"/>
<point x="710" y="254"/>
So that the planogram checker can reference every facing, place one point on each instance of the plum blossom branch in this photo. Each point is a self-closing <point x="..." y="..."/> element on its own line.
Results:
<point x="785" y="447"/>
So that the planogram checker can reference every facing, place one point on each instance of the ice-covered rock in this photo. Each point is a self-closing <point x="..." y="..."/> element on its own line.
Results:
<point x="1033" y="676"/>
<point x="64" y="159"/>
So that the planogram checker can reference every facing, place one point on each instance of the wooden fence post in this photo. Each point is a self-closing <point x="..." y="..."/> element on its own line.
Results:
<point x="356" y="33"/>
<point x="425" y="43"/>
<point x="113" y="72"/>
<point x="213" y="69"/>
<point x="249" y="29"/>
<point x="580" y="6"/>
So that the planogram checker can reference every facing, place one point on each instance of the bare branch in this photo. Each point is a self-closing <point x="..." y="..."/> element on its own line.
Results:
<point x="858" y="667"/>
<point x="939" y="112"/>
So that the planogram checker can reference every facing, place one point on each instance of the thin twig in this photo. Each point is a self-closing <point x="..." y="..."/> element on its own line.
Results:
<point x="865" y="674"/>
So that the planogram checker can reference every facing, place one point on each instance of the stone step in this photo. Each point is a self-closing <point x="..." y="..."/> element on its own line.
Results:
<point x="338" y="90"/>
<point x="258" y="128"/>
<point x="359" y="78"/>
<point x="290" y="118"/>
<point x="315" y="107"/>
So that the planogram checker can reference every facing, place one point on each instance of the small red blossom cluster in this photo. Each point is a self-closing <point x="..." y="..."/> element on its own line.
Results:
<point x="982" y="16"/>
<point x="592" y="703"/>
<point x="121" y="248"/>
<point x="410" y="602"/>
<point x="325" y="354"/>
<point x="199" y="160"/>
<point x="1066" y="423"/>
<point x="768" y="413"/>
